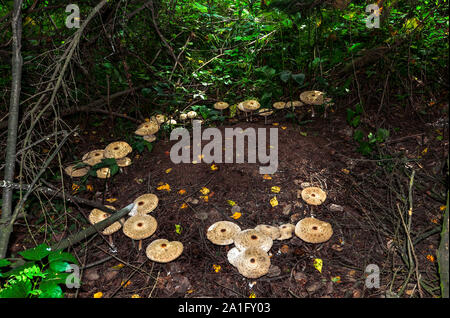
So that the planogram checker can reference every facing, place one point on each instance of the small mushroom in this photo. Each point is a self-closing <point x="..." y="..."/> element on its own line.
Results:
<point x="314" y="195"/>
<point x="164" y="251"/>
<point x="251" y="105"/>
<point x="148" y="128"/>
<point x="146" y="203"/>
<point x="93" y="157"/>
<point x="222" y="232"/>
<point x="221" y="106"/>
<point x="149" y="138"/>
<point x="98" y="215"/>
<point x="75" y="172"/>
<point x="312" y="230"/>
<point x="123" y="162"/>
<point x="265" y="112"/>
<point x="117" y="150"/>
<point x="286" y="231"/>
<point x="252" y="238"/>
<point x="191" y="115"/>
<point x="293" y="104"/>
<point x="312" y="98"/>
<point x="240" y="106"/>
<point x="279" y="105"/>
<point x="183" y="117"/>
<point x="160" y="118"/>
<point x="254" y="262"/>
<point x="272" y="231"/>
<point x="140" y="227"/>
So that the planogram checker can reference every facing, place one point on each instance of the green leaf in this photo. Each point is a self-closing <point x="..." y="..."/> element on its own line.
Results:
<point x="358" y="135"/>
<point x="37" y="253"/>
<point x="4" y="262"/>
<point x="61" y="256"/>
<point x="382" y="134"/>
<point x="285" y="76"/>
<point x="59" y="266"/>
<point x="299" y="78"/>
<point x="355" y="121"/>
<point x="50" y="290"/>
<point x="17" y="289"/>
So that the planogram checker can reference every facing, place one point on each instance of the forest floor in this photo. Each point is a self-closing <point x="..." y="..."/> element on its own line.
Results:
<point x="321" y="152"/>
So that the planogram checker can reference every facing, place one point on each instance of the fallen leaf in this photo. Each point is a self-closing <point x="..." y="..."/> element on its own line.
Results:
<point x="283" y="127"/>
<point x="183" y="206"/>
<point x="182" y="191"/>
<point x="275" y="189"/>
<point x="318" y="264"/>
<point x="275" y="124"/>
<point x="214" y="167"/>
<point x="252" y="295"/>
<point x="430" y="258"/>
<point x="267" y="177"/>
<point x="284" y="249"/>
<point x="204" y="190"/>
<point x="164" y="187"/>
<point x="442" y="207"/>
<point x="135" y="296"/>
<point x="75" y="187"/>
<point x="346" y="171"/>
<point x="118" y="266"/>
<point x="98" y="295"/>
<point x="204" y="198"/>
<point x="168" y="170"/>
<point x="216" y="268"/>
<point x="89" y="187"/>
<point x="236" y="215"/>
<point x="178" y="229"/>
<point x="125" y="285"/>
<point x="232" y="203"/>
<point x="274" y="202"/>
<point x="336" y="279"/>
<point x="111" y="200"/>
<point x="303" y="134"/>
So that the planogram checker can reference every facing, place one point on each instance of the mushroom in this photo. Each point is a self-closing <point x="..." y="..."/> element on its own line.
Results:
<point x="148" y="130"/>
<point x="279" y="105"/>
<point x="93" y="157"/>
<point x="222" y="232"/>
<point x="149" y="138"/>
<point x="98" y="215"/>
<point x="312" y="98"/>
<point x="75" y="172"/>
<point x="221" y="106"/>
<point x="191" y="115"/>
<point x="312" y="230"/>
<point x="293" y="104"/>
<point x="123" y="162"/>
<point x="145" y="203"/>
<point x="265" y="112"/>
<point x="254" y="262"/>
<point x="251" y="105"/>
<point x="160" y="118"/>
<point x="164" y="251"/>
<point x="117" y="150"/>
<point x="233" y="256"/>
<point x="313" y="195"/>
<point x="183" y="117"/>
<point x="252" y="238"/>
<point x="272" y="231"/>
<point x="140" y="227"/>
<point x="286" y="231"/>
<point x="240" y="106"/>
<point x="103" y="173"/>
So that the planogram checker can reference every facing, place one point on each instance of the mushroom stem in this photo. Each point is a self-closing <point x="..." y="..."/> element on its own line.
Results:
<point x="140" y="245"/>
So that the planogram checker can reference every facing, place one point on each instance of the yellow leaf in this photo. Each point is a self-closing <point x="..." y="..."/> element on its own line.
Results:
<point x="232" y="203"/>
<point x="125" y="285"/>
<point x="182" y="191"/>
<point x="135" y="296"/>
<point x="236" y="215"/>
<point x="190" y="291"/>
<point x="118" y="266"/>
<point x="430" y="258"/>
<point x="252" y="295"/>
<point x="98" y="295"/>
<point x="318" y="264"/>
<point x="214" y="167"/>
<point x="164" y="187"/>
<point x="442" y="207"/>
<point x="346" y="171"/>
<point x="183" y="206"/>
<point x="111" y="200"/>
<point x="194" y="162"/>
<point x="89" y="187"/>
<point x="204" y="198"/>
<point x="217" y="268"/>
<point x="275" y="189"/>
<point x="168" y="170"/>
<point x="424" y="151"/>
<point x="267" y="177"/>
<point x="275" y="124"/>
<point x="283" y="127"/>
<point x="274" y="202"/>
<point x="204" y="190"/>
<point x="75" y="187"/>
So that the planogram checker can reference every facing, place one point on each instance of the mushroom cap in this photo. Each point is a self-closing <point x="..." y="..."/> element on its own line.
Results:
<point x="272" y="231"/>
<point x="76" y="172"/>
<point x="314" y="195"/>
<point x="160" y="118"/>
<point x="93" y="157"/>
<point x="312" y="97"/>
<point x="192" y="114"/>
<point x="286" y="231"/>
<point x="233" y="256"/>
<point x="146" y="203"/>
<point x="312" y="230"/>
<point x="253" y="263"/>
<point x="183" y="116"/>
<point x="164" y="251"/>
<point x="103" y="173"/>
<point x="98" y="215"/>
<point x="221" y="105"/>
<point x="139" y="227"/>
<point x="124" y="162"/>
<point x="149" y="138"/>
<point x="222" y="232"/>
<point x="265" y="112"/>
<point x="147" y="128"/>
<point x="294" y="103"/>
<point x="117" y="149"/>
<point x="279" y="105"/>
<point x="252" y="238"/>
<point x="240" y="106"/>
<point x="251" y="104"/>
<point x="171" y="122"/>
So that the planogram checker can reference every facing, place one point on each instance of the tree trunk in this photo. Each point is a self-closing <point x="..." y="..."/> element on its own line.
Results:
<point x="10" y="158"/>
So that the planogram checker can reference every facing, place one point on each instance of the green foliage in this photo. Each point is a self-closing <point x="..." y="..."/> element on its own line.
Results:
<point x="39" y="274"/>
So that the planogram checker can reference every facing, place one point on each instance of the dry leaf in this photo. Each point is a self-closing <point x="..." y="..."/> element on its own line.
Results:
<point x="274" y="202"/>
<point x="236" y="215"/>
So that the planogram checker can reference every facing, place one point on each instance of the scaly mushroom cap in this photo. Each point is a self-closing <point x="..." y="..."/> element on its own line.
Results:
<point x="251" y="104"/>
<point x="252" y="238"/>
<point x="265" y="112"/>
<point x="312" y="230"/>
<point x="221" y="105"/>
<point x="103" y="173"/>
<point x="76" y="172"/>
<point x="233" y="256"/>
<point x="117" y="149"/>
<point x="312" y="97"/>
<point x="272" y="231"/>
<point x="286" y="231"/>
<point x="93" y="157"/>
<point x="314" y="195"/>
<point x="147" y="128"/>
<point x="146" y="203"/>
<point x="160" y="118"/>
<point x="97" y="215"/>
<point x="253" y="263"/>
<point x="149" y="138"/>
<point x="222" y="232"/>
<point x="140" y="227"/>
<point x="123" y="162"/>
<point x="192" y="114"/>
<point x="163" y="251"/>
<point x="294" y="103"/>
<point x="279" y="105"/>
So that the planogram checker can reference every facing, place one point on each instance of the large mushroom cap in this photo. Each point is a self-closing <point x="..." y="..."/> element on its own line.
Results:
<point x="272" y="231"/>
<point x="93" y="157"/>
<point x="252" y="238"/>
<point x="314" y="195"/>
<point x="117" y="149"/>
<point x="312" y="230"/>
<point x="286" y="231"/>
<point x="163" y="251"/>
<point x="140" y="227"/>
<point x="279" y="105"/>
<point x="147" y="128"/>
<point x="103" y="173"/>
<point x="312" y="97"/>
<point x="251" y="104"/>
<point x="124" y="162"/>
<point x="253" y="263"/>
<point x="76" y="172"/>
<point x="233" y="256"/>
<point x="221" y="105"/>
<point x="146" y="203"/>
<point x="97" y="215"/>
<point x="222" y="232"/>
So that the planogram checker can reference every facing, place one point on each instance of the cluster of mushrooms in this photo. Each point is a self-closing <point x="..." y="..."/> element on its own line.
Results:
<point x="139" y="226"/>
<point x="250" y="254"/>
<point x="117" y="150"/>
